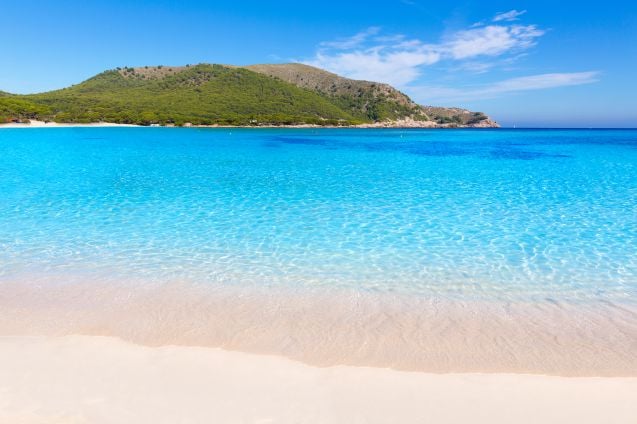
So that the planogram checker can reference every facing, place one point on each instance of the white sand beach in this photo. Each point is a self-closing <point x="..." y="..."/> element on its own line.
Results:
<point x="176" y="355"/>
<point x="90" y="379"/>
<point x="42" y="124"/>
<point x="399" y="124"/>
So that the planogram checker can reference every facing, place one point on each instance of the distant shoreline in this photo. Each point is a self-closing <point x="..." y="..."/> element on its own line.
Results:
<point x="378" y="125"/>
<point x="42" y="124"/>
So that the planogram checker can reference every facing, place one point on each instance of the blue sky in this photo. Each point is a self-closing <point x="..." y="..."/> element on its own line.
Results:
<point x="526" y="63"/>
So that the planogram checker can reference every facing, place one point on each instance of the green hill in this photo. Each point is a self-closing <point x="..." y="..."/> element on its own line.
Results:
<point x="202" y="94"/>
<point x="17" y="107"/>
<point x="368" y="101"/>
<point x="224" y="95"/>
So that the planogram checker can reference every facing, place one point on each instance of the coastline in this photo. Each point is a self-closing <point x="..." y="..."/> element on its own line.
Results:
<point x="88" y="379"/>
<point x="42" y="124"/>
<point x="402" y="124"/>
<point x="340" y="328"/>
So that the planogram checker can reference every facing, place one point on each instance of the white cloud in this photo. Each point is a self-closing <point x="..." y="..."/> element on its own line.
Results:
<point x="511" y="15"/>
<point x="476" y="67"/>
<point x="397" y="60"/>
<point x="353" y="41"/>
<point x="397" y="67"/>
<point x="492" y="40"/>
<point x="537" y="82"/>
<point x="400" y="61"/>
<point x="513" y="85"/>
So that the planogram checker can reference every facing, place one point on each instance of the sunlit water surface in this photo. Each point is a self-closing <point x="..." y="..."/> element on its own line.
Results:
<point x="455" y="250"/>
<point x="501" y="214"/>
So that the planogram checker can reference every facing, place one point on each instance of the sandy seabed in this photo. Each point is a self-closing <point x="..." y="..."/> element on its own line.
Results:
<point x="327" y="327"/>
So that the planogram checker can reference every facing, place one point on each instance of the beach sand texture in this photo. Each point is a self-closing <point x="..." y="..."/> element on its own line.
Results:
<point x="335" y="328"/>
<point x="156" y="278"/>
<point x="86" y="379"/>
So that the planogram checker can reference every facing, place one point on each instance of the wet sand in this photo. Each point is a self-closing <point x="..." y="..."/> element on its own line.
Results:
<point x="328" y="328"/>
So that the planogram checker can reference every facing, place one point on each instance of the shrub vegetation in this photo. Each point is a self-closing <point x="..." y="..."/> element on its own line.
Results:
<point x="213" y="94"/>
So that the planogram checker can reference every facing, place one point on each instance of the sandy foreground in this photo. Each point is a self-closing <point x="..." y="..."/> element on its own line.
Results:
<point x="92" y="379"/>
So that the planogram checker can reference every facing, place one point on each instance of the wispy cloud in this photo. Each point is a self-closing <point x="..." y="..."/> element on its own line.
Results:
<point x="511" y="15"/>
<point x="351" y="42"/>
<point x="492" y="40"/>
<point x="511" y="85"/>
<point x="542" y="81"/>
<point x="399" y="60"/>
<point x="480" y="49"/>
<point x="395" y="66"/>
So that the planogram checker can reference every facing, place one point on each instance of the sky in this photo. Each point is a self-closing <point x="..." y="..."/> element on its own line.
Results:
<point x="524" y="63"/>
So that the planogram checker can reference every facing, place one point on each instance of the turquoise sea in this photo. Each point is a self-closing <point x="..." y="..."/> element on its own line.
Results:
<point x="429" y="250"/>
<point x="539" y="215"/>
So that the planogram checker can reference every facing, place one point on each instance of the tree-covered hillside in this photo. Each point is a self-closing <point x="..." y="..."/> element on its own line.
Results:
<point x="202" y="94"/>
<point x="368" y="101"/>
<point x="224" y="95"/>
<point x="15" y="107"/>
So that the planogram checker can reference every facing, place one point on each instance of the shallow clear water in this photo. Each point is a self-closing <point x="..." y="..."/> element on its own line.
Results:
<point x="496" y="214"/>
